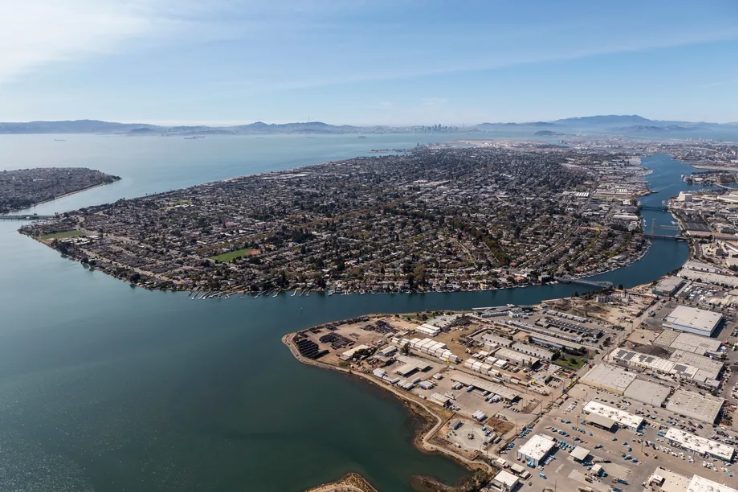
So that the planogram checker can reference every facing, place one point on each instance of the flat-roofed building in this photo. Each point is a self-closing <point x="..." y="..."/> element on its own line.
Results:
<point x="557" y="343"/>
<point x="711" y="278"/>
<point x="621" y="417"/>
<point x="707" y="368"/>
<point x="609" y="378"/>
<point x="535" y="351"/>
<point x="667" y="286"/>
<point x="579" y="453"/>
<point x="467" y="379"/>
<point x="698" y="444"/>
<point x="647" y="392"/>
<point x="516" y="357"/>
<point x="631" y="358"/>
<point x="694" y="320"/>
<point x="536" y="448"/>
<point x="504" y="480"/>
<point x="694" y="405"/>
<point x="600" y="421"/>
<point x="667" y="481"/>
<point x="697" y="344"/>
<point x="702" y="484"/>
<point x="667" y="337"/>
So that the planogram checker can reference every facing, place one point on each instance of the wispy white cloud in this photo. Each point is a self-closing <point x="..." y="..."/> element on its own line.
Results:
<point x="34" y="33"/>
<point x="504" y="59"/>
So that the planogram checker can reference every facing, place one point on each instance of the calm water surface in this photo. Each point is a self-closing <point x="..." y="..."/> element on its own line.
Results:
<point x="105" y="387"/>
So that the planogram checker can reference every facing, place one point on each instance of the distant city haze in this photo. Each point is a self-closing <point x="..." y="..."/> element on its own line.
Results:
<point x="372" y="63"/>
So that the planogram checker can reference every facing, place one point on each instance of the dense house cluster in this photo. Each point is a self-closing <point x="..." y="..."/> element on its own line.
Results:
<point x="428" y="220"/>
<point x="24" y="188"/>
<point x="713" y="155"/>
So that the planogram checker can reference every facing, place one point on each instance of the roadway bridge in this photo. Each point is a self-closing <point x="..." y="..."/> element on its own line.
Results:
<point x="25" y="217"/>
<point x="602" y="284"/>
<point x="656" y="208"/>
<point x="664" y="236"/>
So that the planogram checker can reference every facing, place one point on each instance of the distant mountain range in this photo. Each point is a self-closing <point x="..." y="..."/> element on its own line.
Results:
<point x="600" y="124"/>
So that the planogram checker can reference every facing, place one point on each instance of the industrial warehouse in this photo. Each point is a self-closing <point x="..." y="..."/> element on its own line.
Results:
<point x="608" y="417"/>
<point x="693" y="320"/>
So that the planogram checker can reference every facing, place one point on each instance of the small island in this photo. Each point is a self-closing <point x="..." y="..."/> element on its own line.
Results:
<point x="25" y="188"/>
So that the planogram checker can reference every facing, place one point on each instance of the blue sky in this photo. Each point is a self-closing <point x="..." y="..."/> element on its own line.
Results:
<point x="367" y="62"/>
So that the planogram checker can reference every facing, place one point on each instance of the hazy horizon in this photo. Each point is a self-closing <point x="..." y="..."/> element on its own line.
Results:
<point x="225" y="124"/>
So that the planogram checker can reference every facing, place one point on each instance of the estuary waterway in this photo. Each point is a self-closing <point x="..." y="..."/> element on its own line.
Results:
<point x="105" y="387"/>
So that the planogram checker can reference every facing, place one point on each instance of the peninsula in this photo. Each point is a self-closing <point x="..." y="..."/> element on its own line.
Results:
<point x="442" y="218"/>
<point x="24" y="188"/>
<point x="618" y="388"/>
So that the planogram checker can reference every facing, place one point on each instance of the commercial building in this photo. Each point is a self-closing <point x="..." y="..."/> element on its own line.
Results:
<point x="609" y="378"/>
<point x="707" y="368"/>
<point x="711" y="278"/>
<point x="516" y="357"/>
<point x="601" y="411"/>
<point x="694" y="405"/>
<point x="482" y="384"/>
<point x="536" y="449"/>
<point x="702" y="484"/>
<point x="557" y="343"/>
<point x="693" y="320"/>
<point x="647" y="392"/>
<point x="492" y="341"/>
<point x="680" y="368"/>
<point x="579" y="453"/>
<point x="631" y="358"/>
<point x="696" y="344"/>
<point x="667" y="286"/>
<point x="668" y="481"/>
<point x="698" y="444"/>
<point x="602" y="422"/>
<point x="532" y="350"/>
<point x="504" y="480"/>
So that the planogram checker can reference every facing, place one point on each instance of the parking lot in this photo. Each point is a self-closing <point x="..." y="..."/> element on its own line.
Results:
<point x="627" y="458"/>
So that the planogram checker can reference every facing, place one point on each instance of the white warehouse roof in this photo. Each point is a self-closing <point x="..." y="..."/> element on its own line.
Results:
<point x="538" y="446"/>
<point x="697" y="344"/>
<point x="700" y="444"/>
<point x="608" y="377"/>
<point x="647" y="392"/>
<point x="621" y="417"/>
<point x="702" y="484"/>
<point x="507" y="479"/>
<point x="694" y="405"/>
<point x="694" y="320"/>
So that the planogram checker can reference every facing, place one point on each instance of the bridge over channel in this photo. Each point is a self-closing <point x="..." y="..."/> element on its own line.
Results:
<point x="602" y="284"/>
<point x="651" y="235"/>
<point x="656" y="208"/>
